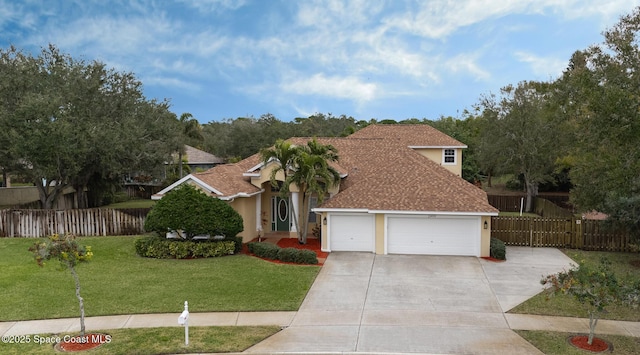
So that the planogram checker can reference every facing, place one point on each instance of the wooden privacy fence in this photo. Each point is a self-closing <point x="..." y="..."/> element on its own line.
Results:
<point x="511" y="203"/>
<point x="84" y="222"/>
<point x="560" y="233"/>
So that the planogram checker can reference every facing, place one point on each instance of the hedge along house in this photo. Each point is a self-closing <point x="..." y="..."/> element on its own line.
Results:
<point x="400" y="192"/>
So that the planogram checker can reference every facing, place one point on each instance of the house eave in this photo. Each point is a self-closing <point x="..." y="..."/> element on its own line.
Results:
<point x="434" y="213"/>
<point x="240" y="194"/>
<point x="202" y="184"/>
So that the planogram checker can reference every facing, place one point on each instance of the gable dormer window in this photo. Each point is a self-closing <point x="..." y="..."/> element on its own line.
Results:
<point x="449" y="156"/>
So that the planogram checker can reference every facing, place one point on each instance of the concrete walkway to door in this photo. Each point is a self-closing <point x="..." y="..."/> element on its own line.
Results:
<point x="370" y="303"/>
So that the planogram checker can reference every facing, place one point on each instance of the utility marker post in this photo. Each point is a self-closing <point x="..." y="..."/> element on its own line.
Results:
<point x="184" y="320"/>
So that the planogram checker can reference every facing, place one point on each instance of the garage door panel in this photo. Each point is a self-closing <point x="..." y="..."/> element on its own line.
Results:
<point x="433" y="236"/>
<point x="354" y="232"/>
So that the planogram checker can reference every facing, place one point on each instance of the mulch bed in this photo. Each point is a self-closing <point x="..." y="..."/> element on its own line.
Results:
<point x="581" y="342"/>
<point x="312" y="244"/>
<point x="81" y="343"/>
<point x="488" y="258"/>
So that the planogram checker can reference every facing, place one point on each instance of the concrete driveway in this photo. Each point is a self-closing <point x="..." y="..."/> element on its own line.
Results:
<point x="370" y="303"/>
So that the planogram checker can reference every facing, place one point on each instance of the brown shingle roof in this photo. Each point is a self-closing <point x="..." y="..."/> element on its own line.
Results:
<point x="414" y="135"/>
<point x="197" y="156"/>
<point x="228" y="179"/>
<point x="389" y="177"/>
<point x="383" y="174"/>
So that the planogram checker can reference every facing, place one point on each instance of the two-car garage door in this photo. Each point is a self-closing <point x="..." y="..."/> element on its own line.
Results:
<point x="433" y="236"/>
<point x="406" y="234"/>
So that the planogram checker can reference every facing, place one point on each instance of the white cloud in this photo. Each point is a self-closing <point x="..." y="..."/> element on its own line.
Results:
<point x="467" y="63"/>
<point x="172" y="83"/>
<point x="440" y="18"/>
<point x="348" y="88"/>
<point x="545" y="68"/>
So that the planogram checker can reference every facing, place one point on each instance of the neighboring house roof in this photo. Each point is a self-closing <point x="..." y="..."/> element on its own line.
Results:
<point x="197" y="156"/>
<point x="381" y="173"/>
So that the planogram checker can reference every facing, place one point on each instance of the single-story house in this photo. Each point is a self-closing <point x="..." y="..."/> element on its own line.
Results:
<point x="401" y="192"/>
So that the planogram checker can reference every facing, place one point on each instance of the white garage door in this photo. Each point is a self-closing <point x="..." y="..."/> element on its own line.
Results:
<point x="438" y="235"/>
<point x="351" y="232"/>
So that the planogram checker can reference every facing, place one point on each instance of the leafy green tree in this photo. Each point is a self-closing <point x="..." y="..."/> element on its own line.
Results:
<point x="190" y="212"/>
<point x="602" y="87"/>
<point x="244" y="136"/>
<point x="307" y="167"/>
<point x="595" y="289"/>
<point x="71" y="123"/>
<point x="524" y="132"/>
<point x="69" y="253"/>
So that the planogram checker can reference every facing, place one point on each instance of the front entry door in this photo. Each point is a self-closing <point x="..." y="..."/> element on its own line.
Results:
<point x="279" y="214"/>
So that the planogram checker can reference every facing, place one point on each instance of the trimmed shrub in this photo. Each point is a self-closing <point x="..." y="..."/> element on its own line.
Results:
<point x="188" y="209"/>
<point x="290" y="255"/>
<point x="497" y="249"/>
<point x="238" y="243"/>
<point x="162" y="248"/>
<point x="307" y="257"/>
<point x="265" y="250"/>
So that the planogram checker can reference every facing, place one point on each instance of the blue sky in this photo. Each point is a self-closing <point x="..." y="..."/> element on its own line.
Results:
<point x="368" y="59"/>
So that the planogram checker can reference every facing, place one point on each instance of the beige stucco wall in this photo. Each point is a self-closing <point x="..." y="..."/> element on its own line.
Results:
<point x="324" y="231"/>
<point x="485" y="236"/>
<point x="379" y="233"/>
<point x="265" y="175"/>
<point x="436" y="155"/>
<point x="246" y="207"/>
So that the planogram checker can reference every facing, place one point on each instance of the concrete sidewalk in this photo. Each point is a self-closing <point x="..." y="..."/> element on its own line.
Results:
<point x="65" y="325"/>
<point x="571" y="325"/>
<point x="284" y="319"/>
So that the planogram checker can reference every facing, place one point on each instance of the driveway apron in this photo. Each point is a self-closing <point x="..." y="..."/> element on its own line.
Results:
<point x="362" y="302"/>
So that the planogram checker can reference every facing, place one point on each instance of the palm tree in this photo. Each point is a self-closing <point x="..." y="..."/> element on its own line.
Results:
<point x="191" y="130"/>
<point x="308" y="168"/>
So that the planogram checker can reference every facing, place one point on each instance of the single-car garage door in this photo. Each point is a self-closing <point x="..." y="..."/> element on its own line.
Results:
<point x="351" y="232"/>
<point x="439" y="235"/>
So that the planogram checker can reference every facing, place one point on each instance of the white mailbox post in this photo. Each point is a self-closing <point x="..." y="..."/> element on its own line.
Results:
<point x="184" y="320"/>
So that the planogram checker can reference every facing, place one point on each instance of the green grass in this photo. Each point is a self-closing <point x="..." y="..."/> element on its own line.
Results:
<point x="132" y="204"/>
<point x="566" y="305"/>
<point x="552" y="343"/>
<point x="117" y="281"/>
<point x="161" y="341"/>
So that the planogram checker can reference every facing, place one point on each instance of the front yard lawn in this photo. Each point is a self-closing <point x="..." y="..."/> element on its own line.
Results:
<point x="566" y="305"/>
<point x="555" y="343"/>
<point x="117" y="281"/>
<point x="168" y="340"/>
